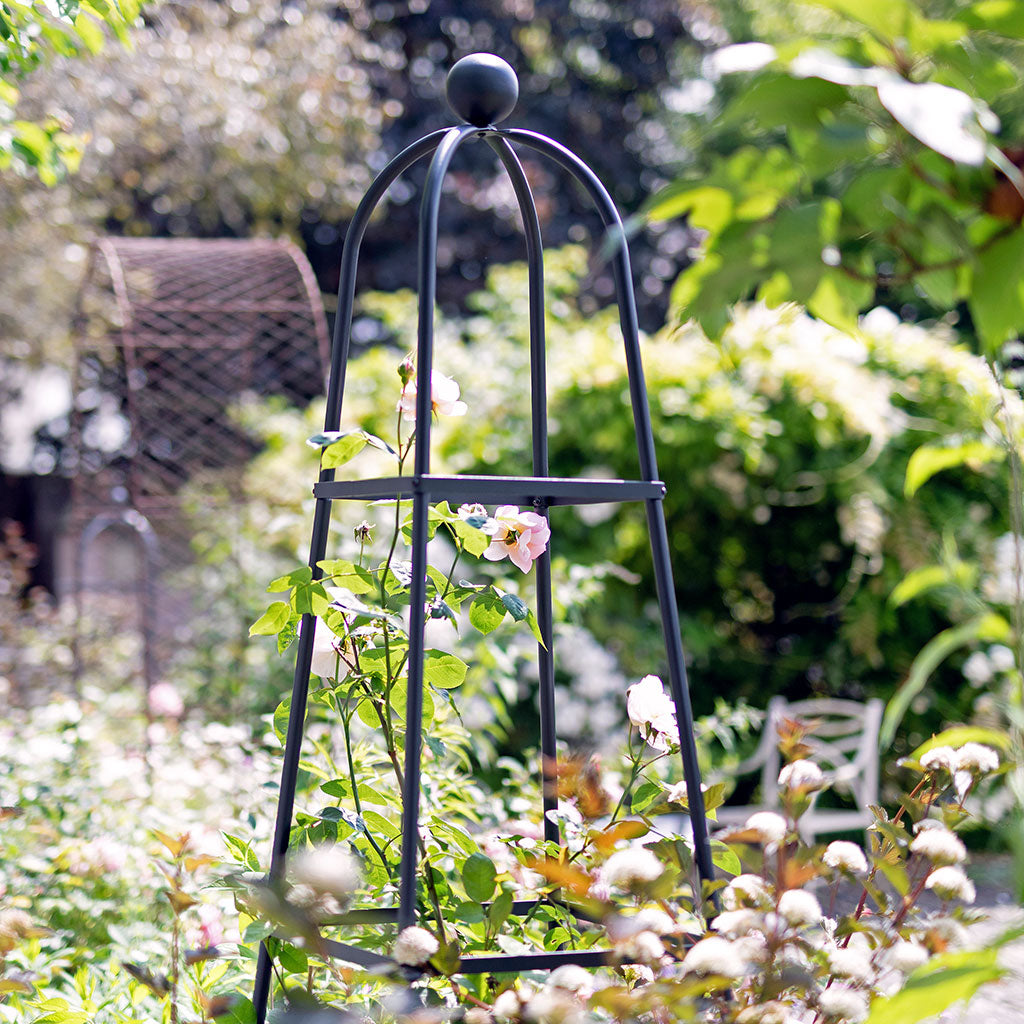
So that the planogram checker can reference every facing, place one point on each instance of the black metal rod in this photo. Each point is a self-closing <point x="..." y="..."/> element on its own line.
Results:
<point x="321" y="528"/>
<point x="522" y="490"/>
<point x="429" y="213"/>
<point x="539" y="416"/>
<point x="660" y="551"/>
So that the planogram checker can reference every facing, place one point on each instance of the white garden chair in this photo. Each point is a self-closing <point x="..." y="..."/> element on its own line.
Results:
<point x="844" y="744"/>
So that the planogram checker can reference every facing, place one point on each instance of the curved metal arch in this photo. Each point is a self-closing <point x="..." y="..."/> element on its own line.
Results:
<point x="444" y="144"/>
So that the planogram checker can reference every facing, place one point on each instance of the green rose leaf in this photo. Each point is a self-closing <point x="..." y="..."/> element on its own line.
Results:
<point x="345" y="448"/>
<point x="444" y="671"/>
<point x="516" y="607"/>
<point x="272" y="621"/>
<point x="478" y="876"/>
<point x="486" y="613"/>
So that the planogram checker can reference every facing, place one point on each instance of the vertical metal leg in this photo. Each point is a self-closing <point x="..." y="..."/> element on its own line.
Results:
<point x="413" y="714"/>
<point x="292" y="748"/>
<point x="546" y="671"/>
<point x="678" y="685"/>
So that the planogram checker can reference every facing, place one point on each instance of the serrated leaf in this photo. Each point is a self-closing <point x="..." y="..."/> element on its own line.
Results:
<point x="347" y="447"/>
<point x="645" y="795"/>
<point x="725" y="858"/>
<point x="499" y="910"/>
<point x="606" y="839"/>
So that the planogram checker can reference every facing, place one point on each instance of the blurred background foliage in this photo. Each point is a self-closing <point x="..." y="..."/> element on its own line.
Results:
<point x="836" y="155"/>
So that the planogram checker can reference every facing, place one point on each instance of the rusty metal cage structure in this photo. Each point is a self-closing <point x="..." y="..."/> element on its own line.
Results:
<point x="170" y="335"/>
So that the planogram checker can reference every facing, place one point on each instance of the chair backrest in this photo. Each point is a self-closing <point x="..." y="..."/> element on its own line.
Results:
<point x="843" y="740"/>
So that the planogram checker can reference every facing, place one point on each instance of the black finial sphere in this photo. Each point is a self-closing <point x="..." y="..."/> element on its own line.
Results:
<point x="482" y="89"/>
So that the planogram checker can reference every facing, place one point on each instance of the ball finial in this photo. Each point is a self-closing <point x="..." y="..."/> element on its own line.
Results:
<point x="482" y="89"/>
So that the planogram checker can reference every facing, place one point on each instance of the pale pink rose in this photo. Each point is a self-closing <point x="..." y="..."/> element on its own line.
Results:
<point x="326" y="646"/>
<point x="444" y="397"/>
<point x="521" y="536"/>
<point x="653" y="712"/>
<point x="165" y="701"/>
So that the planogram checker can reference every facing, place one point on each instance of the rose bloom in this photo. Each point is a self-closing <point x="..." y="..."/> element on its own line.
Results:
<point x="326" y="646"/>
<point x="520" y="536"/>
<point x="745" y="891"/>
<point x="653" y="712"/>
<point x="444" y="397"/>
<point x="840" y="1002"/>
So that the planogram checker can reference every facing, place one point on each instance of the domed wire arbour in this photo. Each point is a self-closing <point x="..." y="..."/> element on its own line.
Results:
<point x="482" y="89"/>
<point x="169" y="335"/>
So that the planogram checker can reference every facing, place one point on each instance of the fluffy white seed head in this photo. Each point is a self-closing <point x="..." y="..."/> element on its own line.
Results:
<point x="907" y="956"/>
<point x="939" y="845"/>
<point x="746" y="891"/>
<point x="840" y="1002"/>
<point x="630" y="868"/>
<point x="852" y="963"/>
<point x="769" y="826"/>
<point x="950" y="883"/>
<point x="799" y="907"/>
<point x="801" y="775"/>
<point x="414" y="946"/>
<point x="716" y="956"/>
<point x="845" y="856"/>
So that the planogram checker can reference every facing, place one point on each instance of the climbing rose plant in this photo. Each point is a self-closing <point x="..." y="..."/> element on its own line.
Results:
<point x="788" y="932"/>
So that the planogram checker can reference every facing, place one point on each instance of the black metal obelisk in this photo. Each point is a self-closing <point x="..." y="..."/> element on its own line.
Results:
<point x="483" y="90"/>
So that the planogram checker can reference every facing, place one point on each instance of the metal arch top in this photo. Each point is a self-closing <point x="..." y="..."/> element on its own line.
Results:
<point x="424" y="487"/>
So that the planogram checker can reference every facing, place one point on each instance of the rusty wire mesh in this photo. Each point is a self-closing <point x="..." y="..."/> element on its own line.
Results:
<point x="170" y="336"/>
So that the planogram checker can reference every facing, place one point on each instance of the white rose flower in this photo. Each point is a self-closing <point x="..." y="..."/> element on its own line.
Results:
<point x="716" y="956"/>
<point x="653" y="712"/>
<point x="799" y="907"/>
<point x="840" y="1002"/>
<point x="326" y="647"/>
<point x="630" y="868"/>
<point x="950" y="883"/>
<point x="553" y="1006"/>
<point x="801" y="774"/>
<point x="845" y="856"/>
<point x="745" y="891"/>
<point x="907" y="956"/>
<point x="939" y="845"/>
<point x="769" y="826"/>
<point x="414" y="946"/>
<point x="477" y="1015"/>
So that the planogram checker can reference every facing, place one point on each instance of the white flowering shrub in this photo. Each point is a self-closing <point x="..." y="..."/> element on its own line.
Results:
<point x="802" y="565"/>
